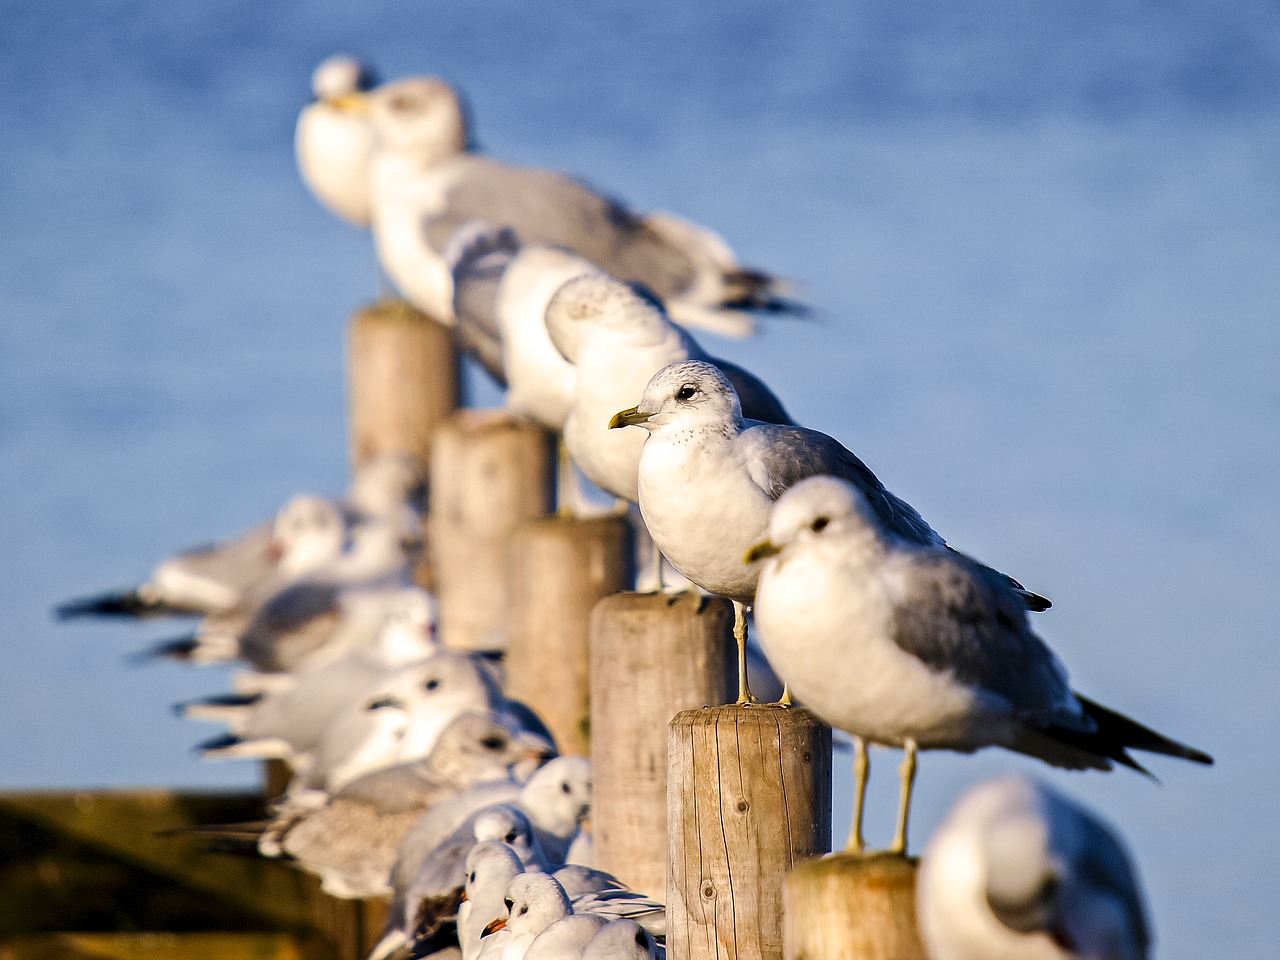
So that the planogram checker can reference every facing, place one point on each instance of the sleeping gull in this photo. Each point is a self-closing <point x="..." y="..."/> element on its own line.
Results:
<point x="334" y="142"/>
<point x="426" y="182"/>
<point x="1017" y="871"/>
<point x="708" y="478"/>
<point x="909" y="644"/>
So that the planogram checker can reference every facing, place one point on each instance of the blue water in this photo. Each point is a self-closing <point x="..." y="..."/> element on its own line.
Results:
<point x="1044" y="240"/>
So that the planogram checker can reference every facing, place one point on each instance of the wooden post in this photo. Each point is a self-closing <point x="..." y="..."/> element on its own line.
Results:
<point x="403" y="381"/>
<point x="749" y="794"/>
<point x="852" y="907"/>
<point x="352" y="928"/>
<point x="652" y="655"/>
<point x="489" y="472"/>
<point x="557" y="568"/>
<point x="402" y="378"/>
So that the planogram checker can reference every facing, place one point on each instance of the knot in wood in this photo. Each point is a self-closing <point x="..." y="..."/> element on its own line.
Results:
<point x="708" y="890"/>
<point x="742" y="806"/>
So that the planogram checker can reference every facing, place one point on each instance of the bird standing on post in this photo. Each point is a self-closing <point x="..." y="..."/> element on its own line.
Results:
<point x="910" y="644"/>
<point x="708" y="478"/>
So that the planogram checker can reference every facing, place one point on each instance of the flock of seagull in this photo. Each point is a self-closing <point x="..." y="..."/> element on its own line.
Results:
<point x="416" y="778"/>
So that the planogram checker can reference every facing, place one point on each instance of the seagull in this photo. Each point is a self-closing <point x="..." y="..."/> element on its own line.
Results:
<point x="1018" y="871"/>
<point x="214" y="579"/>
<point x="622" y="940"/>
<point x="350" y="841"/>
<point x="708" y="477"/>
<point x="335" y="142"/>
<point x="909" y="644"/>
<point x="617" y="337"/>
<point x="426" y="181"/>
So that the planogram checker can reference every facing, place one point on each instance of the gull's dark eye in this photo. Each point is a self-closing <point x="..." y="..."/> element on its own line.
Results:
<point x="564" y="788"/>
<point x="819" y="524"/>
<point x="685" y="393"/>
<point x="493" y="743"/>
<point x="431" y="684"/>
<point x="509" y="902"/>
<point x="524" y="910"/>
<point x="471" y="878"/>
<point x="510" y="837"/>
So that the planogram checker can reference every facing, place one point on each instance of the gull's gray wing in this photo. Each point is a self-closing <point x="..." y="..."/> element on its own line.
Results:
<point x="480" y="257"/>
<point x="758" y="401"/>
<point x="300" y="617"/>
<point x="961" y="618"/>
<point x="404" y="788"/>
<point x="549" y="208"/>
<point x="780" y="456"/>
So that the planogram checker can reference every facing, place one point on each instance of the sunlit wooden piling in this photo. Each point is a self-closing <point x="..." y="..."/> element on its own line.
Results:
<point x="652" y="655"/>
<point x="852" y="907"/>
<point x="489" y="472"/>
<point x="749" y="795"/>
<point x="557" y="569"/>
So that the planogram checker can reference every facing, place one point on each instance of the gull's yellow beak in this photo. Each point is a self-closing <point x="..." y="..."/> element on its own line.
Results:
<point x="357" y="102"/>
<point x="493" y="926"/>
<point x="630" y="417"/>
<point x="764" y="548"/>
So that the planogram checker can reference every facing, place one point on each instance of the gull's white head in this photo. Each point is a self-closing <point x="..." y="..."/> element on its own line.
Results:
<point x="588" y="306"/>
<point x="309" y="532"/>
<point x="423" y="115"/>
<point x="690" y="394"/>
<point x="510" y="827"/>
<point x="340" y="76"/>
<point x="477" y="747"/>
<point x="409" y="631"/>
<point x="558" y="796"/>
<point x="534" y="902"/>
<point x="490" y="863"/>
<point x="816" y="510"/>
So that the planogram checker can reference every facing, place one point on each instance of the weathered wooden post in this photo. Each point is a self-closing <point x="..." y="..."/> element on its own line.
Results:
<point x="403" y="382"/>
<point x="489" y="472"/>
<point x="852" y="907"/>
<point x="652" y="655"/>
<point x="351" y="927"/>
<point x="749" y="795"/>
<point x="557" y="568"/>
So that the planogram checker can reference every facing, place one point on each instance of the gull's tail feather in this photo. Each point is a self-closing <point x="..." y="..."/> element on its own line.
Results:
<point x="221" y="707"/>
<point x="128" y="603"/>
<point x="182" y="649"/>
<point x="756" y="290"/>
<point x="393" y="943"/>
<point x="1116" y="728"/>
<point x="230" y="747"/>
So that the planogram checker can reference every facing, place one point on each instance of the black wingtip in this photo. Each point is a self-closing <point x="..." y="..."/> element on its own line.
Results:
<point x="127" y="604"/>
<point x="220" y="742"/>
<point x="180" y="648"/>
<point x="1116" y="728"/>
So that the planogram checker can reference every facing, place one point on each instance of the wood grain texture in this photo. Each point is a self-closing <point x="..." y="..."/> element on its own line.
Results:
<point x="557" y="569"/>
<point x="749" y="795"/>
<point x="489" y="472"/>
<point x="402" y="380"/>
<point x="652" y="655"/>
<point x="852" y="907"/>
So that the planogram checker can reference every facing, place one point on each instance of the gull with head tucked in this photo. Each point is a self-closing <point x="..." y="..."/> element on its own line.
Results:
<point x="1018" y="871"/>
<point x="708" y="478"/>
<point x="334" y="142"/>
<point x="909" y="644"/>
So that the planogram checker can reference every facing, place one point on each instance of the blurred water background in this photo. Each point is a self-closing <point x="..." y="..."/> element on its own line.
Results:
<point x="1044" y="241"/>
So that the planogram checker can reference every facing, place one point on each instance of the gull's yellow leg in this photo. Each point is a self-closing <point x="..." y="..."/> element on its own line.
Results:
<point x="740" y="635"/>
<point x="861" y="770"/>
<point x="786" y="699"/>
<point x="908" y="774"/>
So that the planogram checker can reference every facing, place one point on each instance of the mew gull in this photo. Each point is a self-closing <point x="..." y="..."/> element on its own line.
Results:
<point x="334" y="142"/>
<point x="426" y="182"/>
<point x="909" y="644"/>
<point x="617" y="338"/>
<point x="1018" y="871"/>
<point x="708" y="478"/>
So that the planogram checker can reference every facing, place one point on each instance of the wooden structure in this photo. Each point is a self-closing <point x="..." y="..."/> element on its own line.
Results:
<point x="489" y="472"/>
<point x="557" y="568"/>
<point x="749" y="795"/>
<point x="852" y="907"/>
